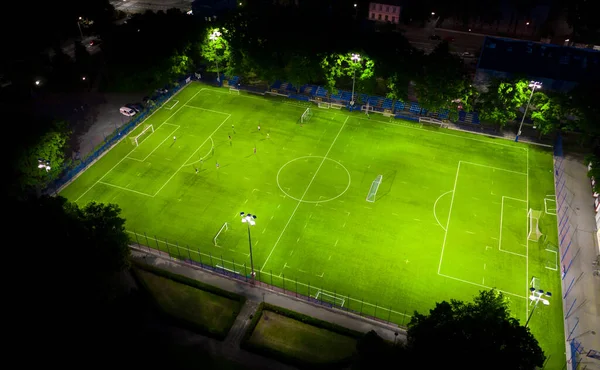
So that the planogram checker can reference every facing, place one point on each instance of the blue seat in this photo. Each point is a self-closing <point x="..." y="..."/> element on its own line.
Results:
<point x="321" y="92"/>
<point x="398" y="105"/>
<point x="475" y="118"/>
<point x="276" y="85"/>
<point x="387" y="103"/>
<point x="415" y="108"/>
<point x="443" y="114"/>
<point x="462" y="115"/>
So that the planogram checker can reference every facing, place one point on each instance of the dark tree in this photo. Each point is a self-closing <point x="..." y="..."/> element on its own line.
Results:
<point x="472" y="335"/>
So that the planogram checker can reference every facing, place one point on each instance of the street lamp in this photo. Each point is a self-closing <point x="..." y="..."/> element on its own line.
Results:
<point x="533" y="85"/>
<point x="536" y="295"/>
<point x="79" y="26"/>
<point x="248" y="219"/>
<point x="45" y="164"/>
<point x="214" y="36"/>
<point x="356" y="59"/>
<point x="37" y="82"/>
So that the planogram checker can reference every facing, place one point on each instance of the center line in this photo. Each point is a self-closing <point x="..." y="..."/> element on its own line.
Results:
<point x="303" y="195"/>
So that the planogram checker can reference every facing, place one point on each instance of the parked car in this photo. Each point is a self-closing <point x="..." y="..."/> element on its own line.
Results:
<point x="466" y="54"/>
<point x="136" y="107"/>
<point x="435" y="37"/>
<point x="126" y="111"/>
<point x="162" y="91"/>
<point x="95" y="42"/>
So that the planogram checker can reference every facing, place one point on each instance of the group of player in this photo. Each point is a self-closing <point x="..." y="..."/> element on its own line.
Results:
<point x="230" y="143"/>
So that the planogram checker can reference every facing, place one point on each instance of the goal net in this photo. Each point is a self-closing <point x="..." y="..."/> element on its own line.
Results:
<point x="234" y="91"/>
<point x="306" y="115"/>
<point x="223" y="228"/>
<point x="373" y="189"/>
<point x="534" y="232"/>
<point x="324" y="105"/>
<point x="330" y="299"/>
<point x="136" y="140"/>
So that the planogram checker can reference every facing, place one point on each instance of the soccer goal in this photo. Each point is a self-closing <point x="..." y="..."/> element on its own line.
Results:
<point x="223" y="228"/>
<point x="534" y="232"/>
<point x="324" y="105"/>
<point x="234" y="91"/>
<point x="306" y="115"/>
<point x="331" y="299"/>
<point x="373" y="190"/>
<point x="148" y="129"/>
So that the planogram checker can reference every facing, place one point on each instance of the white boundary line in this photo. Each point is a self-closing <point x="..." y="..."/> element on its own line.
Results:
<point x="495" y="168"/>
<point x="303" y="195"/>
<point x="435" y="204"/>
<point x="172" y="106"/>
<point x="193" y="154"/>
<point x="482" y="286"/>
<point x="122" y="188"/>
<point x="449" y="214"/>
<point x="124" y="136"/>
<point x="206" y="155"/>
<point x="527" y="236"/>
<point x="555" y="260"/>
<point x="158" y="146"/>
<point x="204" y="109"/>
<point x="546" y="206"/>
<point x="501" y="221"/>
<point x="445" y="133"/>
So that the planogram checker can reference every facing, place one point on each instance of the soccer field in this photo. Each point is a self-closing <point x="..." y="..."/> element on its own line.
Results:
<point x="449" y="218"/>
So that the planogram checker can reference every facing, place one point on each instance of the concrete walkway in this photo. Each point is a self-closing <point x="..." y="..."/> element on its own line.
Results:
<point x="260" y="294"/>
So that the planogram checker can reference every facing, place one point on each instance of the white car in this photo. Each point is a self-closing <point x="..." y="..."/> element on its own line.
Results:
<point x="126" y="111"/>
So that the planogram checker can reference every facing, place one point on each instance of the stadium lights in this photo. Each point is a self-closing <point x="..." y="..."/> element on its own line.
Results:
<point x="248" y="219"/>
<point x="83" y="78"/>
<point x="37" y="82"/>
<point x="79" y="26"/>
<point x="45" y="164"/>
<point x="536" y="295"/>
<point x="432" y="13"/>
<point x="533" y="85"/>
<point x="356" y="59"/>
<point x="355" y="5"/>
<point x="214" y="36"/>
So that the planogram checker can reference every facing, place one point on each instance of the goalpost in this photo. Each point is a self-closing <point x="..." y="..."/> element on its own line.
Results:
<point x="373" y="189"/>
<point x="533" y="232"/>
<point x="225" y="227"/>
<point x="306" y="115"/>
<point x="331" y="299"/>
<point x="324" y="105"/>
<point x="135" y="140"/>
<point x="431" y="122"/>
<point x="234" y="91"/>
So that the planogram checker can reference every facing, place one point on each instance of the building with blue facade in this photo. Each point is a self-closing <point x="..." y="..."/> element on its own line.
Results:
<point x="559" y="68"/>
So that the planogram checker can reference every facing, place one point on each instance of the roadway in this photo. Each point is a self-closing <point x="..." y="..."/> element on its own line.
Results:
<point x="140" y="6"/>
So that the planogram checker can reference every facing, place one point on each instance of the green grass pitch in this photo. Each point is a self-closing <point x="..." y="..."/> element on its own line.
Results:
<point x="449" y="218"/>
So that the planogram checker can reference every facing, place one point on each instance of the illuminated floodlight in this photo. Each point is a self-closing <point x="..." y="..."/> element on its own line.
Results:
<point x="432" y="13"/>
<point x="215" y="35"/>
<point x="248" y="218"/>
<point x="355" y="57"/>
<point x="534" y="85"/>
<point x="42" y="163"/>
<point x="355" y="5"/>
<point x="37" y="82"/>
<point x="83" y="78"/>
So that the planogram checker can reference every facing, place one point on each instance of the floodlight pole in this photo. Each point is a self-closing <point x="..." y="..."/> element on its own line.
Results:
<point x="79" y="26"/>
<point x="538" y="295"/>
<point x="531" y="314"/>
<point x="248" y="219"/>
<point x="533" y="85"/>
<point x="355" y="59"/>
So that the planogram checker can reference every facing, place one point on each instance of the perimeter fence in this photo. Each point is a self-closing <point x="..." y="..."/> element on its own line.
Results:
<point x="308" y="291"/>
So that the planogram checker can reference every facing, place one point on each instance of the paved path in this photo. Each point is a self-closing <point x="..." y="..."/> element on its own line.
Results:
<point x="236" y="333"/>
<point x="258" y="294"/>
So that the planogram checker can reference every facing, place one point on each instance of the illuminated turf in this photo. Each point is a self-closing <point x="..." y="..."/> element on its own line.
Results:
<point x="449" y="217"/>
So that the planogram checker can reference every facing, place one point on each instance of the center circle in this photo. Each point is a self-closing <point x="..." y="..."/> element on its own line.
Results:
<point x="295" y="179"/>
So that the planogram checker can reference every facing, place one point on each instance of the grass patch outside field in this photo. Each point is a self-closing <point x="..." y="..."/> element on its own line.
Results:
<point x="200" y="310"/>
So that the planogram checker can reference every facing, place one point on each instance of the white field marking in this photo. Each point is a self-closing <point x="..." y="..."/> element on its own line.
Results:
<point x="323" y="273"/>
<point x="303" y="195"/>
<point x="487" y="247"/>
<point x="526" y="238"/>
<point x="434" y="205"/>
<point x="484" y="266"/>
<point x="329" y="258"/>
<point x="495" y="168"/>
<point x="246" y="178"/>
<point x="492" y="236"/>
<point x="122" y="188"/>
<point x="292" y="253"/>
<point x="158" y="146"/>
<point x="172" y="106"/>
<point x="271" y="217"/>
<point x="268" y="192"/>
<point x="555" y="260"/>
<point x="207" y="154"/>
<point x="193" y="154"/>
<point x="285" y="265"/>
<point x="500" y="236"/>
<point x="207" y="110"/>
<point x="302" y="271"/>
<point x="449" y="214"/>
<point x="469" y="232"/>
<point x="131" y="151"/>
<point x="416" y="219"/>
<point x="265" y="229"/>
<point x="395" y="214"/>
<point x="518" y="200"/>
<point x="297" y="240"/>
<point x="482" y="286"/>
<point x="335" y="245"/>
<point x="279" y="205"/>
<point x="246" y="201"/>
<point x="483" y="281"/>
<point x="253" y="190"/>
<point x="447" y="134"/>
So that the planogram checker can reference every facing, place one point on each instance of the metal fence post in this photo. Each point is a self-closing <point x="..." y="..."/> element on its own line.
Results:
<point x="147" y="242"/>
<point x="348" y="300"/>
<point x="362" y="302"/>
<point x="309" y="290"/>
<point x="211" y="261"/>
<point x="334" y="296"/>
<point x="157" y="245"/>
<point x="178" y="253"/>
<point x="136" y="239"/>
<point x="189" y="254"/>
<point x="389" y="314"/>
<point x="199" y="256"/>
<point x="245" y="272"/>
<point x="296" y="287"/>
<point x="168" y="249"/>
<point x="283" y="283"/>
<point x="233" y="264"/>
<point x="271" y="278"/>
<point x="375" y="315"/>
<point x="222" y="264"/>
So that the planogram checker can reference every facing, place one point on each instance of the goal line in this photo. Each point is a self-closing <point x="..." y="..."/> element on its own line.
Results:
<point x="225" y="227"/>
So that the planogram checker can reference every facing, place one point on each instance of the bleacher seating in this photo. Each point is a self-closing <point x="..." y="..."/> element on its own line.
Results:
<point x="347" y="95"/>
<point x="443" y="114"/>
<point x="387" y="103"/>
<point x="475" y="118"/>
<point x="308" y="89"/>
<point x="276" y="85"/>
<point x="415" y="108"/>
<point x="462" y="115"/>
<point x="398" y="106"/>
<point x="321" y="92"/>
<point x="362" y="98"/>
<point x="233" y="81"/>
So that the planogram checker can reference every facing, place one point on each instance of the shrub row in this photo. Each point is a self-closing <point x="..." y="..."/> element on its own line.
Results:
<point x="286" y="357"/>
